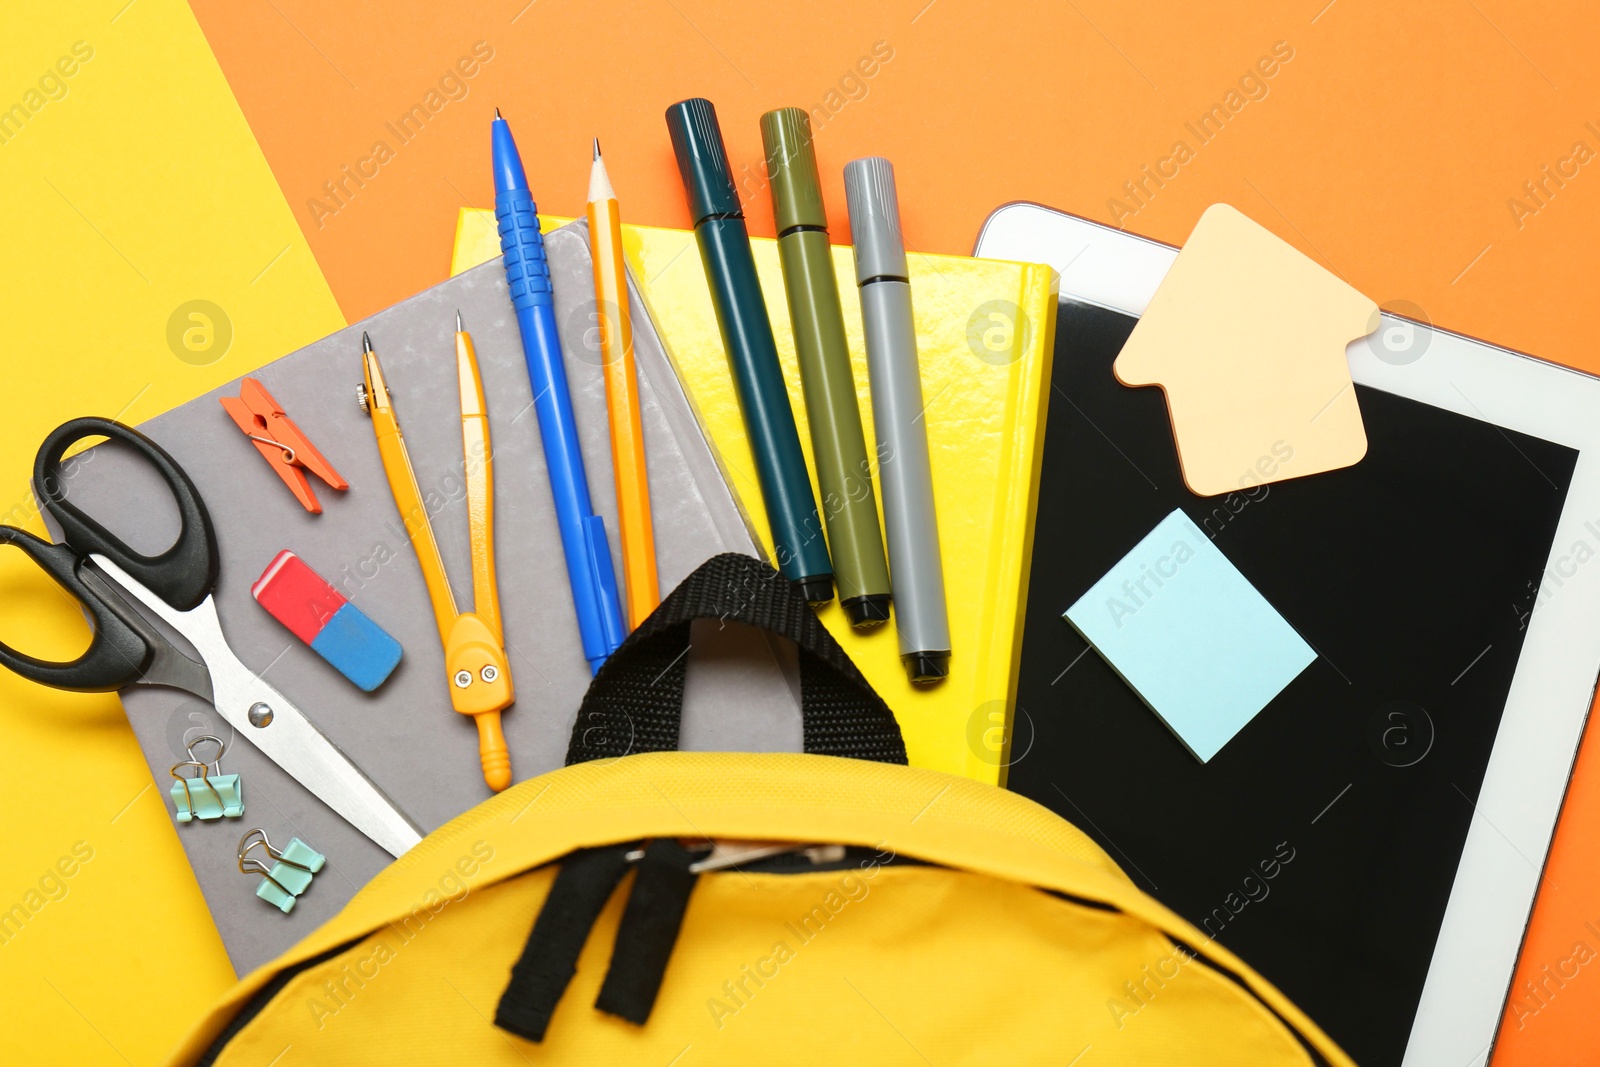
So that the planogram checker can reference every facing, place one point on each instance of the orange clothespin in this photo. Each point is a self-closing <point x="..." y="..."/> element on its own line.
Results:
<point x="280" y="442"/>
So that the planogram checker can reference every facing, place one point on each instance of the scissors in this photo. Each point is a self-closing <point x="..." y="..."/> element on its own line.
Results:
<point x="112" y="581"/>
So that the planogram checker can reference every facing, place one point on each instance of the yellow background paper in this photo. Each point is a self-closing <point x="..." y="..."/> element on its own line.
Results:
<point x="132" y="189"/>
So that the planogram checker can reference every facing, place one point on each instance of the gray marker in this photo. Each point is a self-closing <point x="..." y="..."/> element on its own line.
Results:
<point x="915" y="570"/>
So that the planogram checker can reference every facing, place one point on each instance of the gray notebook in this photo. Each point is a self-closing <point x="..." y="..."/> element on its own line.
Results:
<point x="742" y="692"/>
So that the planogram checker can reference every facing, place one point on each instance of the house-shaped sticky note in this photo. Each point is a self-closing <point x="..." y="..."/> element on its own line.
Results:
<point x="1246" y="337"/>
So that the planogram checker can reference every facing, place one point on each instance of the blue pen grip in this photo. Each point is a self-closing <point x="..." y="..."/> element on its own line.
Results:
<point x="527" y="266"/>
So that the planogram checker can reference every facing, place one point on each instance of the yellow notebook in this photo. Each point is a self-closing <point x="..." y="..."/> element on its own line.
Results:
<point x="985" y="336"/>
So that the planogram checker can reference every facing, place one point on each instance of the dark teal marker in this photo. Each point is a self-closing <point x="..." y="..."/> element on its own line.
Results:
<point x="752" y="353"/>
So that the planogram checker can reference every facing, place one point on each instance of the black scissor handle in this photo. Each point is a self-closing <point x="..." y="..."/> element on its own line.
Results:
<point x="116" y="657"/>
<point x="182" y="575"/>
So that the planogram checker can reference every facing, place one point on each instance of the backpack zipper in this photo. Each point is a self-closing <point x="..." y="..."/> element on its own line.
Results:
<point x="757" y="857"/>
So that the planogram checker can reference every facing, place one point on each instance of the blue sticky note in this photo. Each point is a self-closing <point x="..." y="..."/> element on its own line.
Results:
<point x="1190" y="635"/>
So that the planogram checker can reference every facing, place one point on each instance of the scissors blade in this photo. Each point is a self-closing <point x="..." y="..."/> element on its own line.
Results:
<point x="169" y="666"/>
<point x="261" y="714"/>
<point x="270" y="721"/>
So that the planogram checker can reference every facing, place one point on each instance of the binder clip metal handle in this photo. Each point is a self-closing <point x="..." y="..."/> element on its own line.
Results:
<point x="289" y="873"/>
<point x="221" y="795"/>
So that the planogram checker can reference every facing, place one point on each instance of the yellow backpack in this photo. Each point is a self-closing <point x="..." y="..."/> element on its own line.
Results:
<point x="673" y="908"/>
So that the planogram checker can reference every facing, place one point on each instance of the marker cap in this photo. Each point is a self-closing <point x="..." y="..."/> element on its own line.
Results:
<point x="880" y="246"/>
<point x="817" y="589"/>
<point x="702" y="160"/>
<point x="867" y="611"/>
<point x="792" y="170"/>
<point x="925" y="667"/>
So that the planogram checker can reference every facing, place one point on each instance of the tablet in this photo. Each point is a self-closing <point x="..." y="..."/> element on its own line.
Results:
<point x="1372" y="841"/>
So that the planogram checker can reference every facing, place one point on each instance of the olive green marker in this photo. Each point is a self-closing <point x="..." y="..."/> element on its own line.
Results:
<point x="838" y="444"/>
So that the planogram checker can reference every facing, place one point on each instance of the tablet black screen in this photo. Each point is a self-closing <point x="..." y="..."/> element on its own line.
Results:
<point x="1411" y="574"/>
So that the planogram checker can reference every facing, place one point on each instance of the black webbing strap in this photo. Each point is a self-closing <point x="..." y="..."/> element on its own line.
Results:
<point x="648" y="930"/>
<point x="550" y="958"/>
<point x="635" y="703"/>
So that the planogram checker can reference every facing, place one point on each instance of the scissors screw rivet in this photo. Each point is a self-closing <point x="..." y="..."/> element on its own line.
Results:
<point x="260" y="714"/>
<point x="489" y="672"/>
<point x="463" y="679"/>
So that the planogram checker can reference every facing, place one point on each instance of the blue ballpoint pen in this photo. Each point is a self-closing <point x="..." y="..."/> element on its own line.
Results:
<point x="583" y="533"/>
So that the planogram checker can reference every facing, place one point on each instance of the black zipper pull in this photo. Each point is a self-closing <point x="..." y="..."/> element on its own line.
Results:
<point x="550" y="958"/>
<point x="649" y="929"/>
<point x="667" y="871"/>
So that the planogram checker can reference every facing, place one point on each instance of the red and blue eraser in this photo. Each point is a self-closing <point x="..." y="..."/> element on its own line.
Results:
<point x="317" y="614"/>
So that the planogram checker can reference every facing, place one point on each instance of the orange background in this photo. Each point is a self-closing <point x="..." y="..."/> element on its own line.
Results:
<point x="1387" y="148"/>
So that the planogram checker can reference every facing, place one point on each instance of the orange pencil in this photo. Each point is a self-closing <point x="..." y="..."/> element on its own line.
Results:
<point x="622" y="396"/>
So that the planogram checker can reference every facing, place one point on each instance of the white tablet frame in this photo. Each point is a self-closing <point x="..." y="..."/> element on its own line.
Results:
<point x="1469" y="978"/>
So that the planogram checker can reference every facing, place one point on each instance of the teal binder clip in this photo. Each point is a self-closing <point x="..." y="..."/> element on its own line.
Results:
<point x="208" y="794"/>
<point x="291" y="869"/>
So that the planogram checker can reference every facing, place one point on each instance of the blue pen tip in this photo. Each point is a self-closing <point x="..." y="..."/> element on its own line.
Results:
<point x="508" y="172"/>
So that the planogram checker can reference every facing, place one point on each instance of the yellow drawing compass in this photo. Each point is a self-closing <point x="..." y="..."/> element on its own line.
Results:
<point x="474" y="644"/>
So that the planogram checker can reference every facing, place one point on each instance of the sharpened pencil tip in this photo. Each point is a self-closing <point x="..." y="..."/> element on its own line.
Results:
<point x="366" y="342"/>
<point x="599" y="182"/>
<point x="458" y="321"/>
